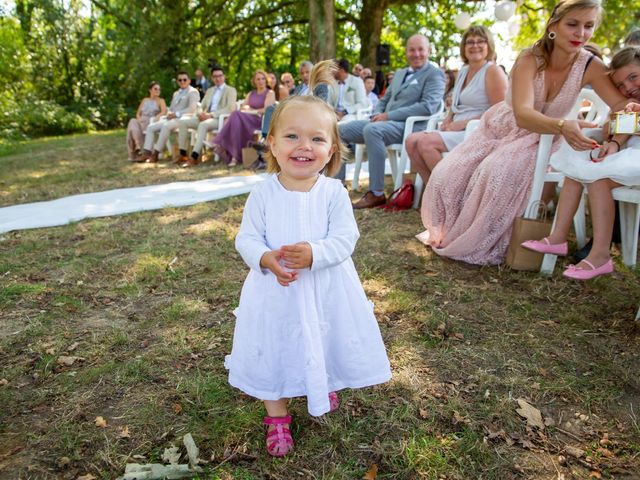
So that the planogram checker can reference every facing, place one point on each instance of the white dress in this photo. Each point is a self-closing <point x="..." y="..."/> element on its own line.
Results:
<point x="622" y="167"/>
<point x="319" y="334"/>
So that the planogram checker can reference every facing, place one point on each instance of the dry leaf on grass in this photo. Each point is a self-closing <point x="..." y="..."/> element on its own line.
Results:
<point x="530" y="413"/>
<point x="595" y="474"/>
<point x="73" y="346"/>
<point x="50" y="351"/>
<point x="171" y="455"/>
<point x="101" y="422"/>
<point x="423" y="413"/>
<point x="124" y="432"/>
<point x="574" y="451"/>
<point x="3" y="382"/>
<point x="177" y="407"/>
<point x="372" y="473"/>
<point x="88" y="476"/>
<point x="67" y="361"/>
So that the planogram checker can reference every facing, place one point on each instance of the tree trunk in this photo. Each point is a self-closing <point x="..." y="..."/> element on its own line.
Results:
<point x="370" y="28"/>
<point x="322" y="29"/>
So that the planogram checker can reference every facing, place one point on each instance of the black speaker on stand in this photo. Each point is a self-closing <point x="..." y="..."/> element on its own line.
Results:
<point x="383" y="54"/>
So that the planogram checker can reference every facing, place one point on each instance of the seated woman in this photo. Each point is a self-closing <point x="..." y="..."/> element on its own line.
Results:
<point x="475" y="193"/>
<point x="241" y="124"/>
<point x="150" y="107"/>
<point x="616" y="164"/>
<point x="481" y="84"/>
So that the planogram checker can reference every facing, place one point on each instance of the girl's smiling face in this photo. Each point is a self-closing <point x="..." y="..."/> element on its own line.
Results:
<point x="627" y="80"/>
<point x="302" y="143"/>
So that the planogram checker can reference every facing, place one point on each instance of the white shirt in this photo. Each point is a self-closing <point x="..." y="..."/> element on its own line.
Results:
<point x="215" y="100"/>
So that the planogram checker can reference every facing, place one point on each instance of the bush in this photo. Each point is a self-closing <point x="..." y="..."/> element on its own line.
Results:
<point x="39" y="118"/>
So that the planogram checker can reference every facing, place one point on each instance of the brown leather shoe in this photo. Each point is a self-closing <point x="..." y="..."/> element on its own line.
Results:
<point x="181" y="159"/>
<point x="190" y="162"/>
<point x="153" y="158"/>
<point x="144" y="156"/>
<point x="370" y="200"/>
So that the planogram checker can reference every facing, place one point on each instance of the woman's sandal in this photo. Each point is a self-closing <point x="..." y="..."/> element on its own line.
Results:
<point x="334" y="402"/>
<point x="279" y="441"/>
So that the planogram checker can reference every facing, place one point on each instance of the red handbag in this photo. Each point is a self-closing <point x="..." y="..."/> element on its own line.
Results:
<point x="402" y="198"/>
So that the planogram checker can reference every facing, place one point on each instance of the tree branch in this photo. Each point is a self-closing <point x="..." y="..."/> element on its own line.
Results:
<point x="109" y="11"/>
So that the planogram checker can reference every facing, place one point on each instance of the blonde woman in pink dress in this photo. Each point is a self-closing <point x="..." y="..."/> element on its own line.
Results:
<point x="475" y="193"/>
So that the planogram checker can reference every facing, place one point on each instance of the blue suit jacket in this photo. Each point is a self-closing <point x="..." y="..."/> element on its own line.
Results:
<point x="421" y="95"/>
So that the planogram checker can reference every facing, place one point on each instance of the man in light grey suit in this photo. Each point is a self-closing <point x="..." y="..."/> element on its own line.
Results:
<point x="219" y="99"/>
<point x="183" y="103"/>
<point x="348" y="94"/>
<point x="416" y="90"/>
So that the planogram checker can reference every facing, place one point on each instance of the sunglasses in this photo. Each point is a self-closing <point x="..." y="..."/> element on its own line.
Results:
<point x="183" y="80"/>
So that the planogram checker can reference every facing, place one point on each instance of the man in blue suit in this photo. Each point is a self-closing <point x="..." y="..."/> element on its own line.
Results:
<point x="416" y="90"/>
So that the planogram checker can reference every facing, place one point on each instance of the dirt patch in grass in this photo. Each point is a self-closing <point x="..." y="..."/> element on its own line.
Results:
<point x="145" y="302"/>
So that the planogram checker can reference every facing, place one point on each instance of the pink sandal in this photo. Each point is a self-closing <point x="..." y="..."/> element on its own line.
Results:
<point x="279" y="440"/>
<point x="334" y="402"/>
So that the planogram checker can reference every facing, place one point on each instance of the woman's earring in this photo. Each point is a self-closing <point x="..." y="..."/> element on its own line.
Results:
<point x="551" y="35"/>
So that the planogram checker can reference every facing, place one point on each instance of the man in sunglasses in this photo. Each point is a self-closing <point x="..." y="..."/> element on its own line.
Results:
<point x="184" y="103"/>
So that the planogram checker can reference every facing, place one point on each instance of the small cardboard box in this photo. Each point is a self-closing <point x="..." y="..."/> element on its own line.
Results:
<point x="626" y="123"/>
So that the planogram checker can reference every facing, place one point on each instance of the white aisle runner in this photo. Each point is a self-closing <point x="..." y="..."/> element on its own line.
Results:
<point x="128" y="200"/>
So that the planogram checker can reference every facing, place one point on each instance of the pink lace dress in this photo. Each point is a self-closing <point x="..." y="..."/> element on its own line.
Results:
<point x="475" y="193"/>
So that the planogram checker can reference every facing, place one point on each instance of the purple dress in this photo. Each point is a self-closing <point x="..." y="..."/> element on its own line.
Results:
<point x="239" y="127"/>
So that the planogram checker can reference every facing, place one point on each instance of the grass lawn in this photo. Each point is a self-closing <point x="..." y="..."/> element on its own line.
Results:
<point x="143" y="305"/>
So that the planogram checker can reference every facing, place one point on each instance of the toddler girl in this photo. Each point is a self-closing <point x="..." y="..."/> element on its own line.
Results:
<point x="304" y="326"/>
<point x="614" y="166"/>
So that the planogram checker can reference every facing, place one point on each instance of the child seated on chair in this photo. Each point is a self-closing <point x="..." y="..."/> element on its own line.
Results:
<point x="616" y="163"/>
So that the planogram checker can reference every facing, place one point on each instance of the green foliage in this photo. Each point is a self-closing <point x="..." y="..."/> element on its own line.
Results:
<point x="39" y="118"/>
<point x="618" y="19"/>
<point x="70" y="58"/>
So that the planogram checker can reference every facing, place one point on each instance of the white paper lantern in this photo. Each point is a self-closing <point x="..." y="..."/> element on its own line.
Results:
<point x="505" y="10"/>
<point x="462" y="20"/>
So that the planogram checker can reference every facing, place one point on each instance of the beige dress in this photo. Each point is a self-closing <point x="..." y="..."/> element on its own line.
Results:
<point x="475" y="193"/>
<point x="136" y="128"/>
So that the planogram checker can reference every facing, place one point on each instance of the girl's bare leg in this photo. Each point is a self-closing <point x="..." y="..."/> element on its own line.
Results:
<point x="602" y="217"/>
<point x="567" y="206"/>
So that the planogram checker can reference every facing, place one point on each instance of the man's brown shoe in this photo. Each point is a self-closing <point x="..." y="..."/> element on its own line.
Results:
<point x="153" y="158"/>
<point x="370" y="200"/>
<point x="144" y="156"/>
<point x="190" y="162"/>
<point x="181" y="159"/>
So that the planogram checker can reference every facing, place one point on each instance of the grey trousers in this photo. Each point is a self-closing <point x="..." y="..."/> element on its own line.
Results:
<point x="376" y="136"/>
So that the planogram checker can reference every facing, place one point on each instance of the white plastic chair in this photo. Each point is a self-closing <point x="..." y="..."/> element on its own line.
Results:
<point x="629" y="208"/>
<point x="398" y="167"/>
<point x="597" y="114"/>
<point x="432" y="126"/>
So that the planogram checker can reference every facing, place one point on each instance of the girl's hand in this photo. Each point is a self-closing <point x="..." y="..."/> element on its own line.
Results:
<point x="607" y="148"/>
<point x="632" y="107"/>
<point x="572" y="132"/>
<point x="299" y="255"/>
<point x="271" y="261"/>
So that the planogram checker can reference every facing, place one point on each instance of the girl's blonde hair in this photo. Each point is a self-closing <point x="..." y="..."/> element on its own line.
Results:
<point x="544" y="46"/>
<point x="624" y="57"/>
<point x="482" y="32"/>
<point x="322" y="73"/>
